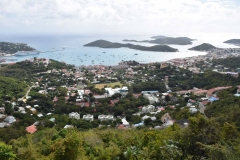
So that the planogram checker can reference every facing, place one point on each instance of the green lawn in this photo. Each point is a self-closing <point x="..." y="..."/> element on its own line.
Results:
<point x="100" y="86"/>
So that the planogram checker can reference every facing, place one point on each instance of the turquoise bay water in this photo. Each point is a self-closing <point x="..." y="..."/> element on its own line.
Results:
<point x="70" y="48"/>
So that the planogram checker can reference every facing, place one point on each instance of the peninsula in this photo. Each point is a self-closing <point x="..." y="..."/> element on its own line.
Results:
<point x="166" y="40"/>
<point x="107" y="44"/>
<point x="203" y="47"/>
<point x="233" y="41"/>
<point x="11" y="48"/>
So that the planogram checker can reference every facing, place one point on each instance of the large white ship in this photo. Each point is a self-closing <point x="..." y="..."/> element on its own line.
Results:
<point x="26" y="53"/>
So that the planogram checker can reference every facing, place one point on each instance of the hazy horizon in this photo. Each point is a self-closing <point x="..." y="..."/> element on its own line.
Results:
<point x="107" y="17"/>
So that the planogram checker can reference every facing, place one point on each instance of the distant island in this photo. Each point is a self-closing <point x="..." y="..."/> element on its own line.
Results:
<point x="107" y="44"/>
<point x="11" y="48"/>
<point x="203" y="47"/>
<point x="166" y="40"/>
<point x="233" y="41"/>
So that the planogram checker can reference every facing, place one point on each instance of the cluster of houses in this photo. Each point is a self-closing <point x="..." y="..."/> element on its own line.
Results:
<point x="7" y="120"/>
<point x="90" y="117"/>
<point x="190" y="62"/>
<point x="101" y="71"/>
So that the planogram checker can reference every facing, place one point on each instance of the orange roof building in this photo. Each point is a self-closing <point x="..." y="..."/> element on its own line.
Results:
<point x="31" y="129"/>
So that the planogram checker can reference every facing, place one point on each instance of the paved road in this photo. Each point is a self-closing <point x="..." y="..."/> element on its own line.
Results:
<point x="27" y="92"/>
<point x="202" y="108"/>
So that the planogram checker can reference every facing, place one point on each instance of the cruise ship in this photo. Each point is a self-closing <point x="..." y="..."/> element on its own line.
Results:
<point x="26" y="53"/>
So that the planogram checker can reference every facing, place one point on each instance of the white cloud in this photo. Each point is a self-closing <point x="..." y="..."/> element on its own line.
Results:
<point x="124" y="16"/>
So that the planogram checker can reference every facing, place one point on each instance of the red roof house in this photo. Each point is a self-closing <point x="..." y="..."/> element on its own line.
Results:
<point x="31" y="129"/>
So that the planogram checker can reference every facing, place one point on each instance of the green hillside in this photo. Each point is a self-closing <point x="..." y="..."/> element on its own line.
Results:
<point x="10" y="48"/>
<point x="233" y="41"/>
<point x="200" y="140"/>
<point x="107" y="44"/>
<point x="166" y="40"/>
<point x="11" y="87"/>
<point x="203" y="47"/>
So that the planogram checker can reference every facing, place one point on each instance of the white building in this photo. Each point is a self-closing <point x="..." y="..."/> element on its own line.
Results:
<point x="80" y="93"/>
<point x="2" y="109"/>
<point x="148" y="109"/>
<point x="106" y="117"/>
<point x="9" y="119"/>
<point x="68" y="126"/>
<point x="78" y="100"/>
<point x="88" y="117"/>
<point x="2" y="116"/>
<point x="146" y="117"/>
<point x="3" y="124"/>
<point x="193" y="110"/>
<point x="125" y="122"/>
<point x="21" y="110"/>
<point x="136" y="114"/>
<point x="33" y="110"/>
<point x="74" y="115"/>
<point x="43" y="92"/>
<point x="28" y="107"/>
<point x="40" y="115"/>
<point x="151" y="98"/>
<point x="111" y="91"/>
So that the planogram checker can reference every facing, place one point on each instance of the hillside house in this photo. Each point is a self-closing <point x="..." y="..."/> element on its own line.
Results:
<point x="74" y="115"/>
<point x="148" y="109"/>
<point x="33" y="110"/>
<point x="167" y="120"/>
<point x="2" y="109"/>
<point x="151" y="98"/>
<point x="31" y="129"/>
<point x="10" y="119"/>
<point x="106" y="117"/>
<point x="88" y="117"/>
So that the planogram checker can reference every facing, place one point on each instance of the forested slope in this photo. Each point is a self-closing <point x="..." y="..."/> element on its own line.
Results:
<point x="204" y="138"/>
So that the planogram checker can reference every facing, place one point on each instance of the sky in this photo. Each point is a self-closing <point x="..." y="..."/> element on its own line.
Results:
<point x="119" y="17"/>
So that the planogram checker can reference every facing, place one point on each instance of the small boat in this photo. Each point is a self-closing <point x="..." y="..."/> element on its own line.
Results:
<point x="103" y="52"/>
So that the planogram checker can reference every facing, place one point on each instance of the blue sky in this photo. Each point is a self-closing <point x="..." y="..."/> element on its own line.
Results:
<point x="119" y="16"/>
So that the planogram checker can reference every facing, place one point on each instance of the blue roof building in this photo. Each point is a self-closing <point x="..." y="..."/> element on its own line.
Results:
<point x="213" y="99"/>
<point x="139" y="124"/>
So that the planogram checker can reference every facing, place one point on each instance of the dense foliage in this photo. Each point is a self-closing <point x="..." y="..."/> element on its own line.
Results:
<point x="149" y="86"/>
<point x="227" y="109"/>
<point x="26" y="70"/>
<point x="232" y="62"/>
<point x="205" y="80"/>
<point x="11" y="87"/>
<point x="202" y="139"/>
